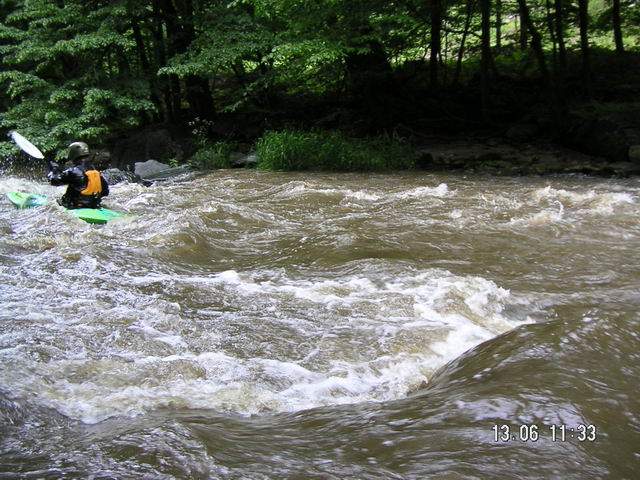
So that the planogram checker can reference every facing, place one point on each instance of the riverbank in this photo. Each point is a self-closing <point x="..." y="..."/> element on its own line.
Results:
<point x="611" y="148"/>
<point x="410" y="125"/>
<point x="525" y="132"/>
<point x="442" y="131"/>
<point x="499" y="156"/>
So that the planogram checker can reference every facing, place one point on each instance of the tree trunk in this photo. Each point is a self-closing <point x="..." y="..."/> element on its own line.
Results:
<point x="498" y="24"/>
<point x="163" y="49"/>
<point x="163" y="86"/>
<point x="444" y="56"/>
<point x="524" y="39"/>
<point x="198" y="92"/>
<point x="145" y="66"/>
<point x="179" y="38"/>
<point x="557" y="87"/>
<point x="436" y="24"/>
<point x="552" y="32"/>
<point x="556" y="97"/>
<point x="583" y="20"/>
<point x="465" y="32"/>
<point x="562" y="50"/>
<point x="536" y="39"/>
<point x="370" y="83"/>
<point x="485" y="60"/>
<point x="617" y="31"/>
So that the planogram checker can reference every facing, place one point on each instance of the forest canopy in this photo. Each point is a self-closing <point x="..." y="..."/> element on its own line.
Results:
<point x="93" y="70"/>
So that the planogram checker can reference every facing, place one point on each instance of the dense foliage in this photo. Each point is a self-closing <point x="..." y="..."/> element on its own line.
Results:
<point x="297" y="150"/>
<point x="78" y="70"/>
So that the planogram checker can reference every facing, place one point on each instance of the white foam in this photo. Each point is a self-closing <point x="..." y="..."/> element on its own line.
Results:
<point x="590" y="201"/>
<point x="441" y="190"/>
<point x="361" y="195"/>
<point x="544" y="217"/>
<point x="295" y="189"/>
<point x="396" y="332"/>
<point x="241" y="340"/>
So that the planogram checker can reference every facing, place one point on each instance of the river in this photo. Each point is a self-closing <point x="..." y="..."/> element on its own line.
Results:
<point x="255" y="325"/>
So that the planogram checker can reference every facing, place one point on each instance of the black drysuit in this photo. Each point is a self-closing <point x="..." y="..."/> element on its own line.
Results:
<point x="77" y="181"/>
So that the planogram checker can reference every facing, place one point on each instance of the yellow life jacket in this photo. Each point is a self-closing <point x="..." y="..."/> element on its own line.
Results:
<point x="94" y="184"/>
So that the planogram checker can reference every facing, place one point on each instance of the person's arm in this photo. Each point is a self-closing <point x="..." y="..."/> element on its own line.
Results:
<point x="56" y="177"/>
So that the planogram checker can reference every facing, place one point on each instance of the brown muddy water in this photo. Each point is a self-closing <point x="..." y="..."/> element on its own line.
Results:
<point x="251" y="325"/>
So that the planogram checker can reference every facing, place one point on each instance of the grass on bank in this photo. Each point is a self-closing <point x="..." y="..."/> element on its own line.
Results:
<point x="298" y="150"/>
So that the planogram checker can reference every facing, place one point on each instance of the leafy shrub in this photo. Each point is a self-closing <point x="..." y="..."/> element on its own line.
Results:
<point x="212" y="156"/>
<point x="298" y="150"/>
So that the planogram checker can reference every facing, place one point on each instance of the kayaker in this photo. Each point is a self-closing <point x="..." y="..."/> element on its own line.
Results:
<point x="86" y="185"/>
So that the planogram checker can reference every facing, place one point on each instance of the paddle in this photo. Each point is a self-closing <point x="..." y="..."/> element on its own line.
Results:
<point x="21" y="199"/>
<point x="30" y="149"/>
<point x="25" y="145"/>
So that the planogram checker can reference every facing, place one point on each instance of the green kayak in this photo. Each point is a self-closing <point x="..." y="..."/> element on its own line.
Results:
<point x="27" y="200"/>
<point x="90" y="215"/>
<point x="95" y="215"/>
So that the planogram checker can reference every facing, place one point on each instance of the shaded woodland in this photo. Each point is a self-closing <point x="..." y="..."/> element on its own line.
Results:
<point x="231" y="70"/>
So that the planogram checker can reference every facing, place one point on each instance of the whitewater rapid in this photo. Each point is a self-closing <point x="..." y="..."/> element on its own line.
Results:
<point x="250" y="294"/>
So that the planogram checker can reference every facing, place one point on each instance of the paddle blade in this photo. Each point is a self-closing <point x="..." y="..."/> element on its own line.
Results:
<point x="25" y="145"/>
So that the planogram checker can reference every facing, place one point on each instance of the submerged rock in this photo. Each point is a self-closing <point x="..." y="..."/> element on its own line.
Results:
<point x="154" y="170"/>
<point x="115" y="175"/>
<point x="157" y="143"/>
<point x="244" y="161"/>
<point x="150" y="168"/>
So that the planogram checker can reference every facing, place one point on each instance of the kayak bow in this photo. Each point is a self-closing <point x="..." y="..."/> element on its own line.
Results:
<point x="90" y="215"/>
